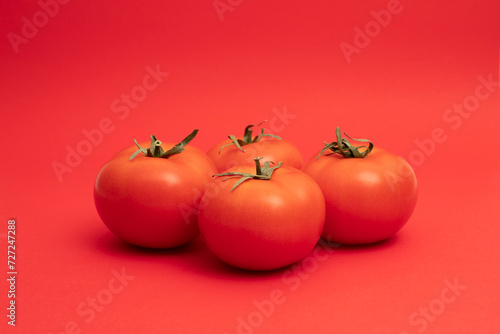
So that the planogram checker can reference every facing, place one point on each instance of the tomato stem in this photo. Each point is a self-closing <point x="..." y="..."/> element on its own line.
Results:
<point x="258" y="168"/>
<point x="344" y="147"/>
<point x="261" y="173"/>
<point x="247" y="137"/>
<point x="156" y="151"/>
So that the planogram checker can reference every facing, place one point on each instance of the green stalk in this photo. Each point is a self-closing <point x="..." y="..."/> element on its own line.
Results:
<point x="247" y="137"/>
<point x="343" y="147"/>
<point x="261" y="173"/>
<point x="156" y="151"/>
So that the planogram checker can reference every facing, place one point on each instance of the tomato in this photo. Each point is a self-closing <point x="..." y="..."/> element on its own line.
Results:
<point x="262" y="223"/>
<point x="368" y="198"/>
<point x="142" y="198"/>
<point x="238" y="151"/>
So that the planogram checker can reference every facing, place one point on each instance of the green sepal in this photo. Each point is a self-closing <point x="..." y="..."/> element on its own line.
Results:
<point x="247" y="137"/>
<point x="156" y="151"/>
<point x="343" y="147"/>
<point x="262" y="173"/>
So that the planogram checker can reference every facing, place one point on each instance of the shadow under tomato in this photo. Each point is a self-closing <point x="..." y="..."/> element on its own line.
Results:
<point x="218" y="267"/>
<point x="193" y="257"/>
<point x="111" y="245"/>
<point x="206" y="263"/>
<point x="376" y="246"/>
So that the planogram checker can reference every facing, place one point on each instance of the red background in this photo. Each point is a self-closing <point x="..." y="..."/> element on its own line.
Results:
<point x="263" y="58"/>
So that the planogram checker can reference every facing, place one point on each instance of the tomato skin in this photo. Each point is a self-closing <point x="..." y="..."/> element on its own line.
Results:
<point x="141" y="200"/>
<point x="367" y="199"/>
<point x="262" y="224"/>
<point x="271" y="149"/>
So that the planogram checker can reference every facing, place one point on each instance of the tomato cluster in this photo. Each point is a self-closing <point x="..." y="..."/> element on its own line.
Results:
<point x="260" y="216"/>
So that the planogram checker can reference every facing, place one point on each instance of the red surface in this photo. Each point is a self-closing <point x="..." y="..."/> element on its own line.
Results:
<point x="402" y="89"/>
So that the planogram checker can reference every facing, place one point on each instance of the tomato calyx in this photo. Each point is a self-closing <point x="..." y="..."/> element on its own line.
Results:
<point x="156" y="151"/>
<point x="262" y="173"/>
<point x="343" y="147"/>
<point x="247" y="137"/>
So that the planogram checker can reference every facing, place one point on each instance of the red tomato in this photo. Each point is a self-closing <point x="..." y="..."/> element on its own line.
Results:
<point x="227" y="154"/>
<point x="262" y="224"/>
<point x="368" y="199"/>
<point x="142" y="200"/>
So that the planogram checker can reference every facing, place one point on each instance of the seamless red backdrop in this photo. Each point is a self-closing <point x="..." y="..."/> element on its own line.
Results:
<point x="81" y="80"/>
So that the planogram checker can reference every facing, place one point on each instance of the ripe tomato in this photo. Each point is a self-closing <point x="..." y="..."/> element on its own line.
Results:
<point x="238" y="151"/>
<point x="369" y="197"/>
<point x="139" y="197"/>
<point x="262" y="224"/>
